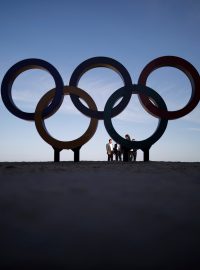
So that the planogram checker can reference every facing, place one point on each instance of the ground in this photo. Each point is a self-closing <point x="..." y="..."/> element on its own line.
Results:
<point x="100" y="215"/>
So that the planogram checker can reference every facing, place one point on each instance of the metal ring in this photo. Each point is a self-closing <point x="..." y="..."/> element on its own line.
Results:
<point x="100" y="62"/>
<point x="40" y="125"/>
<point x="188" y="69"/>
<point x="18" y="68"/>
<point x="147" y="143"/>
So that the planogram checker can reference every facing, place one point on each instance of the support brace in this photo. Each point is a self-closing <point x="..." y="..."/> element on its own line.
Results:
<point x="76" y="154"/>
<point x="57" y="154"/>
<point x="146" y="154"/>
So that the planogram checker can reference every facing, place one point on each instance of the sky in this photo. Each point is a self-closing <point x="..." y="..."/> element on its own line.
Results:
<point x="65" y="33"/>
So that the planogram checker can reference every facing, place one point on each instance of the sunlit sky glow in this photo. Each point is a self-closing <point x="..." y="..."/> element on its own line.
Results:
<point x="65" y="33"/>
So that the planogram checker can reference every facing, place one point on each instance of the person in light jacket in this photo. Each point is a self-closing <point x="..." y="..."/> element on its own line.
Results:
<point x="109" y="150"/>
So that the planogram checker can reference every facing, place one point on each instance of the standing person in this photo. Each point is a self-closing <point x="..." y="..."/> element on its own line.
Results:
<point x="126" y="151"/>
<point x="115" y="151"/>
<point x="133" y="153"/>
<point x="119" y="151"/>
<point x="109" y="149"/>
<point x="127" y="137"/>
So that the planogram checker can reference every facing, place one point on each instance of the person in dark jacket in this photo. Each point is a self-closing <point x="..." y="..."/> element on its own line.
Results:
<point x="133" y="153"/>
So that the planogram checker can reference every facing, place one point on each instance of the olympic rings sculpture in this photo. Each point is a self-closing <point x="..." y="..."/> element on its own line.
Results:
<point x="52" y="100"/>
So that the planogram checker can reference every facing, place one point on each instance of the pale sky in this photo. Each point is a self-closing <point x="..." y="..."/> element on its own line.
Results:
<point x="65" y="33"/>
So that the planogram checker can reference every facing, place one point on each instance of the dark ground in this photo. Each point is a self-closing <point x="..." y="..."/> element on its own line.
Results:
<point x="95" y="215"/>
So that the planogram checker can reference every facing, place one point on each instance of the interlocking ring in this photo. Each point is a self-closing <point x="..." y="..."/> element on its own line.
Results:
<point x="190" y="72"/>
<point x="18" y="68"/>
<point x="151" y="100"/>
<point x="100" y="62"/>
<point x="135" y="89"/>
<point x="40" y="125"/>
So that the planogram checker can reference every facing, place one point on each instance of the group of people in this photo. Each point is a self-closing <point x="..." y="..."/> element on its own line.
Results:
<point x="117" y="151"/>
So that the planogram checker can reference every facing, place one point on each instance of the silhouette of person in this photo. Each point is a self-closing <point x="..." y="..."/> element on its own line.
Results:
<point x="127" y="137"/>
<point x="133" y="153"/>
<point x="117" y="151"/>
<point x="126" y="151"/>
<point x="109" y="150"/>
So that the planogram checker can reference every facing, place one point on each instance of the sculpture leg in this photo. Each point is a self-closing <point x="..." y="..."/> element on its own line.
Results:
<point x="76" y="154"/>
<point x="146" y="154"/>
<point x="56" y="155"/>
